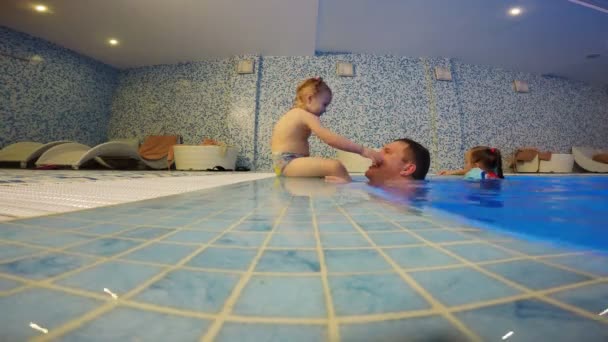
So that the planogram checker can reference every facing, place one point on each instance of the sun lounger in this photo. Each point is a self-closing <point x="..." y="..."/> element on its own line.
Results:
<point x="76" y="155"/>
<point x="583" y="156"/>
<point x="26" y="152"/>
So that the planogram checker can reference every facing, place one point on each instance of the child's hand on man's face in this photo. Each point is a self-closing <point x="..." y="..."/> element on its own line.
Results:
<point x="374" y="155"/>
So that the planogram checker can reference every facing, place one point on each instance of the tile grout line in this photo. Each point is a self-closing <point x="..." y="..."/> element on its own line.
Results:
<point x="284" y="274"/>
<point x="44" y="248"/>
<point x="384" y="317"/>
<point x="29" y="283"/>
<point x="98" y="260"/>
<point x="229" y="303"/>
<point x="531" y="295"/>
<point x="73" y="324"/>
<point x="435" y="304"/>
<point x="272" y="274"/>
<point x="344" y="320"/>
<point x="538" y="258"/>
<point x="332" y="325"/>
<point x="189" y="227"/>
<point x="508" y="282"/>
<point x="261" y="319"/>
<point x="96" y="237"/>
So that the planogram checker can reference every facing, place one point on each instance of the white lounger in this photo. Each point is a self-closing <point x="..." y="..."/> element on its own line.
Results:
<point x="26" y="151"/>
<point x="75" y="155"/>
<point x="583" y="156"/>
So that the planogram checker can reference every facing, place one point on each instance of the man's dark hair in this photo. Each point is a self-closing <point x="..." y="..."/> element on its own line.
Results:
<point x="422" y="158"/>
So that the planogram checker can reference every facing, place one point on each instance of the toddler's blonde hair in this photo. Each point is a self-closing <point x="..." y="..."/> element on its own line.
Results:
<point x="311" y="86"/>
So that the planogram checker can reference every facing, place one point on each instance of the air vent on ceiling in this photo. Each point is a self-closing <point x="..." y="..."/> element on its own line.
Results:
<point x="598" y="5"/>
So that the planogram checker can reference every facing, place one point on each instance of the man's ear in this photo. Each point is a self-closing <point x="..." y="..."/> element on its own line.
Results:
<point x="408" y="170"/>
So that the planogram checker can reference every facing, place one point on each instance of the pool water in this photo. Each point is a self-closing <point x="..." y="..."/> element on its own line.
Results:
<point x="301" y="260"/>
<point x="570" y="210"/>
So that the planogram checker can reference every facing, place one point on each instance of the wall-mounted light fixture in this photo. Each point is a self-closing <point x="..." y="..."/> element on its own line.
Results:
<point x="345" y="69"/>
<point x="443" y="74"/>
<point x="245" y="67"/>
<point x="520" y="86"/>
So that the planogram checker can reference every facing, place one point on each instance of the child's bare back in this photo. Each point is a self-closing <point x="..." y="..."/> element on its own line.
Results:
<point x="291" y="133"/>
<point x="290" y="148"/>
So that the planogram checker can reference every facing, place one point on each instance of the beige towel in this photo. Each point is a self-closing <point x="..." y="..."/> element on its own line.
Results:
<point x="156" y="147"/>
<point x="211" y="142"/>
<point x="601" y="158"/>
<point x="525" y="155"/>
<point x="528" y="154"/>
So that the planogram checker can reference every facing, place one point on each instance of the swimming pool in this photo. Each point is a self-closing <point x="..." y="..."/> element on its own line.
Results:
<point x="302" y="260"/>
<point x="568" y="210"/>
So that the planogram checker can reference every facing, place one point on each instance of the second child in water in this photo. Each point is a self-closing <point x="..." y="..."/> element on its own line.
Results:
<point x="486" y="164"/>
<point x="290" y="148"/>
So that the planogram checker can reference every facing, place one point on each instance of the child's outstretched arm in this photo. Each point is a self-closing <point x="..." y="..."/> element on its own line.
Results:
<point x="467" y="167"/>
<point x="452" y="172"/>
<point x="337" y="141"/>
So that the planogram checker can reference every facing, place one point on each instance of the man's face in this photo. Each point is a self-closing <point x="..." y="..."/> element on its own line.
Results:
<point x="397" y="157"/>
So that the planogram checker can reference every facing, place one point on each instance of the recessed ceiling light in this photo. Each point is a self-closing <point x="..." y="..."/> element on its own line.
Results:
<point x="41" y="8"/>
<point x="515" y="11"/>
<point x="113" y="41"/>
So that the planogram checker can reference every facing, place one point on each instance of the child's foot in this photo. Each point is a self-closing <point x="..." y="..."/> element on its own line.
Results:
<point x="336" y="180"/>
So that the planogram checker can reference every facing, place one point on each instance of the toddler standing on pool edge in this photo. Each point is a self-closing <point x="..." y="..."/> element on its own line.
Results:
<point x="290" y="148"/>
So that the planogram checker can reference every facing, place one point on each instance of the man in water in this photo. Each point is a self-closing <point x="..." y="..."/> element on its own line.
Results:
<point x="404" y="160"/>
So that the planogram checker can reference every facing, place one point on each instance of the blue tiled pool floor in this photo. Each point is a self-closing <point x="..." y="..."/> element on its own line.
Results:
<point x="258" y="261"/>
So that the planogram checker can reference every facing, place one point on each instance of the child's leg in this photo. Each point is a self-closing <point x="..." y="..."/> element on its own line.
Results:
<point x="316" y="167"/>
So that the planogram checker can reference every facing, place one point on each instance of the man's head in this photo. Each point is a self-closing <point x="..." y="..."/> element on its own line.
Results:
<point x="403" y="159"/>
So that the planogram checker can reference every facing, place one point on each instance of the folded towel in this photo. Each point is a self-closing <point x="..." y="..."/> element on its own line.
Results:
<point x="544" y="156"/>
<point x="525" y="155"/>
<point x="211" y="142"/>
<point x="528" y="154"/>
<point x="207" y="142"/>
<point x="601" y="158"/>
<point x="156" y="147"/>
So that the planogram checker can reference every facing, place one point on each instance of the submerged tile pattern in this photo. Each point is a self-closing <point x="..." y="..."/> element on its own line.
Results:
<point x="63" y="96"/>
<point x="257" y="262"/>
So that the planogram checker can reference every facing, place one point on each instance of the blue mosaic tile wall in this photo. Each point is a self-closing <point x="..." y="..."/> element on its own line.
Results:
<point x="394" y="97"/>
<point x="68" y="96"/>
<point x="63" y="95"/>
<point x="386" y="100"/>
<point x="555" y="115"/>
<point x="196" y="100"/>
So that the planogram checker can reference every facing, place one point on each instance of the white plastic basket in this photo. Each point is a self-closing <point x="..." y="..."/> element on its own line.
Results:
<point x="191" y="157"/>
<point x="528" y="167"/>
<point x="559" y="163"/>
